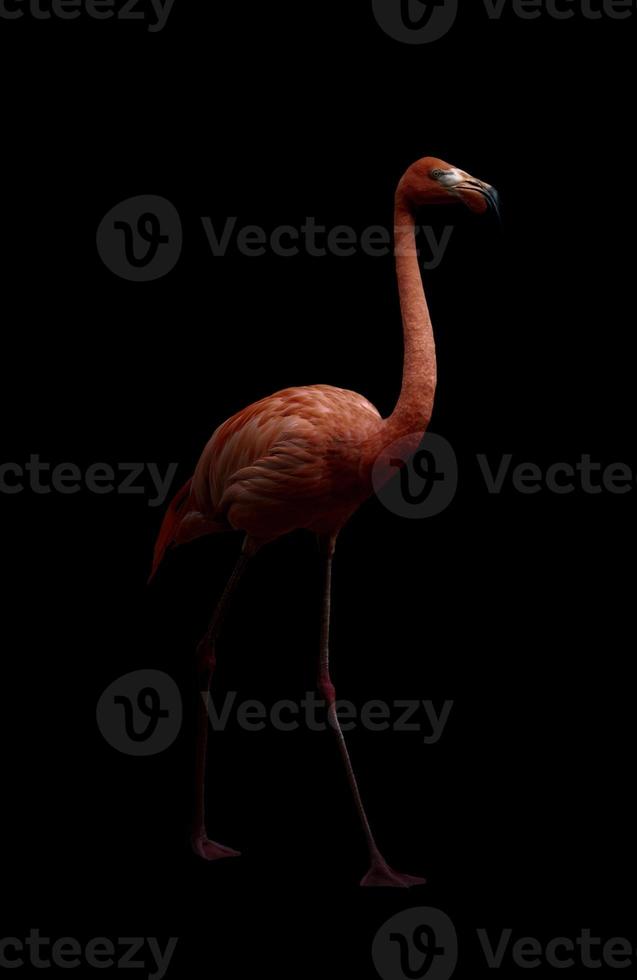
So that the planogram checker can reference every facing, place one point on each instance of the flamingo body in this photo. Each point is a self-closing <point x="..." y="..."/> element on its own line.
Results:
<point x="292" y="460"/>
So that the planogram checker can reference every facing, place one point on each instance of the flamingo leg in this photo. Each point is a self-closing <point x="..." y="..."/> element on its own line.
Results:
<point x="380" y="873"/>
<point x="206" y="663"/>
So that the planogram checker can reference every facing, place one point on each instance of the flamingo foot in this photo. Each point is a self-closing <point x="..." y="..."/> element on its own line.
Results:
<point x="380" y="875"/>
<point x="209" y="850"/>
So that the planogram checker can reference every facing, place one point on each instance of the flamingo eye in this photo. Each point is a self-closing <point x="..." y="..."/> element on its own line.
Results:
<point x="437" y="174"/>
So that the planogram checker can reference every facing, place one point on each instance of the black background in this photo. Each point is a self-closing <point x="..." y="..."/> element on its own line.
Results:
<point x="515" y="606"/>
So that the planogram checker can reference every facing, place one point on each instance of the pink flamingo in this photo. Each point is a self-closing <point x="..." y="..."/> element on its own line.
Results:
<point x="303" y="458"/>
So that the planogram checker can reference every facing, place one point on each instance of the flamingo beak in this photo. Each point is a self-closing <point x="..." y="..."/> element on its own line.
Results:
<point x="493" y="200"/>
<point x="488" y="192"/>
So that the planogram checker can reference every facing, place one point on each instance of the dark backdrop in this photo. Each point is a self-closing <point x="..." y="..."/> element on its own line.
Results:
<point x="515" y="606"/>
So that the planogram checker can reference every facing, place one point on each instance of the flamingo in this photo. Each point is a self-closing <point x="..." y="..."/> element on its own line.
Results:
<point x="303" y="458"/>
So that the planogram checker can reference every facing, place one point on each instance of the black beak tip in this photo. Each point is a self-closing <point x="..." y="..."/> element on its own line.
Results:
<point x="493" y="200"/>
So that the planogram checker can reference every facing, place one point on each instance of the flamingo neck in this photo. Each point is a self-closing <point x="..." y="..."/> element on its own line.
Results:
<point x="415" y="403"/>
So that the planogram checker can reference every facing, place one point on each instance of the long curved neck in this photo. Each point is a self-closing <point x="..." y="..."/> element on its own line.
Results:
<point x="415" y="404"/>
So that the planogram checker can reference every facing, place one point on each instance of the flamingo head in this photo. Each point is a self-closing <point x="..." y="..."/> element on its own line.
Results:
<point x="432" y="181"/>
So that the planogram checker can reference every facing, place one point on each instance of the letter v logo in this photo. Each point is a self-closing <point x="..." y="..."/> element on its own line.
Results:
<point x="416" y="21"/>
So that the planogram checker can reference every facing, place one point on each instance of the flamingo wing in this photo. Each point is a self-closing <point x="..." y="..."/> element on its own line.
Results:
<point x="276" y="464"/>
<point x="287" y="461"/>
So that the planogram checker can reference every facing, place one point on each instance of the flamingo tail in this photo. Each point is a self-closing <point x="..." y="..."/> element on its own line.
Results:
<point x="170" y="526"/>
